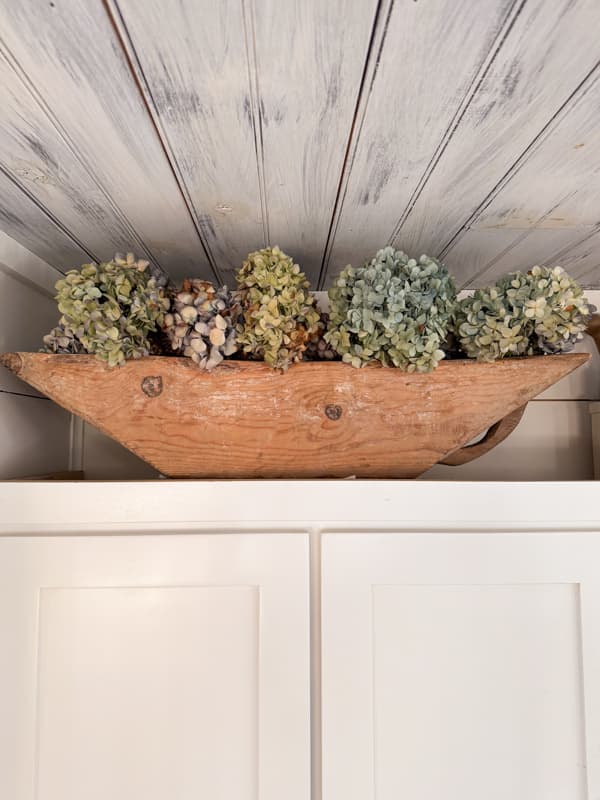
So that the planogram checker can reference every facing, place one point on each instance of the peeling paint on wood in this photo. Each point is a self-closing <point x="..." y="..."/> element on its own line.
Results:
<point x="412" y="106"/>
<point x="26" y="221"/>
<point x="196" y="133"/>
<point x="310" y="57"/>
<point x="481" y="256"/>
<point x="75" y="130"/>
<point x="192" y="64"/>
<point x="546" y="193"/>
<point x="499" y="126"/>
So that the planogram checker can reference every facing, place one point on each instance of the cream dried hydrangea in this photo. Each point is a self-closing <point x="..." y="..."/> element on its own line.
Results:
<point x="202" y="323"/>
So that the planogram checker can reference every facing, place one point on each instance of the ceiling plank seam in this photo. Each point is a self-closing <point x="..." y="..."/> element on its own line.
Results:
<point x="46" y="212"/>
<point x="559" y="115"/>
<point x="114" y="13"/>
<point x="586" y="84"/>
<point x="29" y="87"/>
<point x="504" y="30"/>
<point x="248" y="15"/>
<point x="381" y="21"/>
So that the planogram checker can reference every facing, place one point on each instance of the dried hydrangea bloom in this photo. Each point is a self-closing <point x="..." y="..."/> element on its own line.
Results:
<point x="394" y="309"/>
<point x="488" y="328"/>
<point x="111" y="309"/>
<point x="202" y="323"/>
<point x="317" y="347"/>
<point x="554" y="303"/>
<point x="279" y="314"/>
<point x="541" y="311"/>
<point x="62" y="339"/>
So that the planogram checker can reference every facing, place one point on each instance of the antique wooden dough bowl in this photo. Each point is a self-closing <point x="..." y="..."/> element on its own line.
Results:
<point x="244" y="420"/>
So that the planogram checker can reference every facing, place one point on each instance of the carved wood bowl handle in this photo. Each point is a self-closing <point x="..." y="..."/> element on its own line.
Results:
<point x="496" y="433"/>
<point x="593" y="329"/>
<point x="504" y="427"/>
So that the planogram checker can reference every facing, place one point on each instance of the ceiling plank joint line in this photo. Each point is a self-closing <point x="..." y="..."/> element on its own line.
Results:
<point x="381" y="21"/>
<point x="19" y="186"/>
<point x="512" y="16"/>
<point x="517" y="165"/>
<point x="114" y="13"/>
<point x="248" y="16"/>
<point x="29" y="86"/>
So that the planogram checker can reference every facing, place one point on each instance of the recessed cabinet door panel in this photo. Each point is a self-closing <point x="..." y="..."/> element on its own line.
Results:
<point x="154" y="667"/>
<point x="461" y="666"/>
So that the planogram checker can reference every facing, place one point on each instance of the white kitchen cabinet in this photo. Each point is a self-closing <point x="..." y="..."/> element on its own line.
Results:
<point x="334" y="640"/>
<point x="461" y="666"/>
<point x="153" y="667"/>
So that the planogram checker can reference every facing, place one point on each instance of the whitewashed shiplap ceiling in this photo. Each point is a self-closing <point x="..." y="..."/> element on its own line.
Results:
<point x="194" y="131"/>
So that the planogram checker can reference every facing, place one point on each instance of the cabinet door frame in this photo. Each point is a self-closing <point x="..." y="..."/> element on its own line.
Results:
<point x="354" y="563"/>
<point x="277" y="564"/>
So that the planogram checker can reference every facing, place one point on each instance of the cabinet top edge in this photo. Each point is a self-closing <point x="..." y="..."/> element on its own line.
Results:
<point x="298" y="505"/>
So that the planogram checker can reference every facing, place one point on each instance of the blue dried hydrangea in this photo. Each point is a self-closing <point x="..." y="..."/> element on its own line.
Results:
<point x="62" y="339"/>
<point x="541" y="311"/>
<point x="394" y="309"/>
<point x="202" y="322"/>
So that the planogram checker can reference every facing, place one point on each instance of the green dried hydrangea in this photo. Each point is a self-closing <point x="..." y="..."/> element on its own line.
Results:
<point x="111" y="309"/>
<point x="488" y="328"/>
<point x="554" y="302"/>
<point x="202" y="323"/>
<point x="128" y="260"/>
<point x="541" y="311"/>
<point x="279" y="314"/>
<point x="394" y="309"/>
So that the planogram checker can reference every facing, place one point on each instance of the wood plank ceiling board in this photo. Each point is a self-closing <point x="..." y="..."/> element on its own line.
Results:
<point x="591" y="279"/>
<point x="582" y="259"/>
<point x="23" y="219"/>
<point x="427" y="68"/>
<point x="192" y="61"/>
<point x="480" y="257"/>
<point x="87" y="148"/>
<point x="39" y="157"/>
<point x="310" y="57"/>
<point x="577" y="251"/>
<point x="547" y="204"/>
<point x="255" y="102"/>
<point x="548" y="52"/>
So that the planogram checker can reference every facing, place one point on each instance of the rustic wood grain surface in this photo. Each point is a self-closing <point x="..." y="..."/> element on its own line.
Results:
<point x="244" y="420"/>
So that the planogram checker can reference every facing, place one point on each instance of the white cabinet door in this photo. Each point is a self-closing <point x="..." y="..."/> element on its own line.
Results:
<point x="159" y="667"/>
<point x="461" y="666"/>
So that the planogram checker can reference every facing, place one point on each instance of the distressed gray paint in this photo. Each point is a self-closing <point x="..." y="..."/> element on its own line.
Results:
<point x="196" y="131"/>
<point x="75" y="131"/>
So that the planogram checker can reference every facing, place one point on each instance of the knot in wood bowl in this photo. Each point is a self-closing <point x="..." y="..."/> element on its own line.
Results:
<point x="333" y="412"/>
<point x="152" y="385"/>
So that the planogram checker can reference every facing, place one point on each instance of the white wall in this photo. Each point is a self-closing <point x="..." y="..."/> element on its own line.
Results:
<point x="34" y="432"/>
